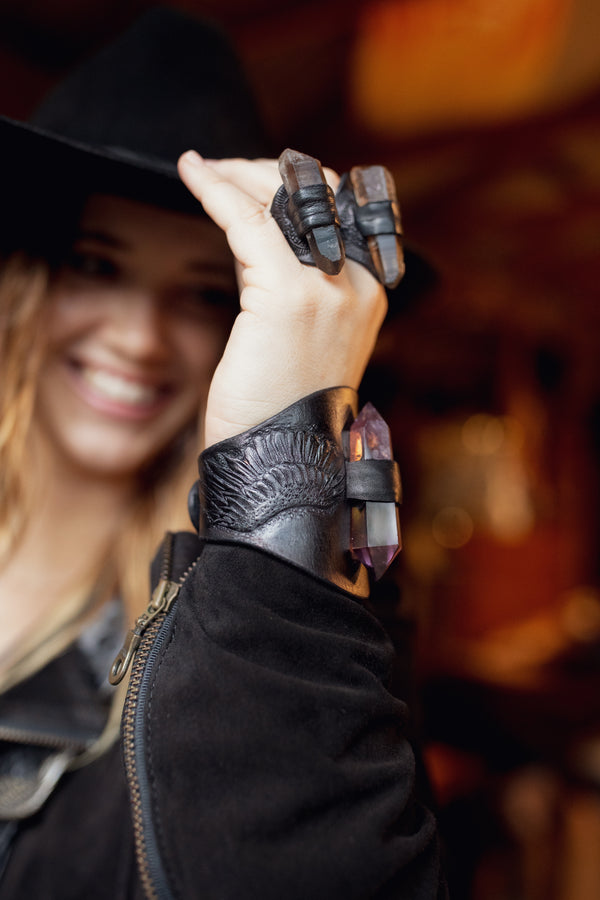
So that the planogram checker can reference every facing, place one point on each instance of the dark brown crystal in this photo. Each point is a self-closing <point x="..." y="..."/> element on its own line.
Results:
<point x="374" y="184"/>
<point x="298" y="170"/>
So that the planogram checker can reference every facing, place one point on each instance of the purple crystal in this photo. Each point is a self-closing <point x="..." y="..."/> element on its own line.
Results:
<point x="375" y="540"/>
<point x="375" y="529"/>
<point x="370" y="436"/>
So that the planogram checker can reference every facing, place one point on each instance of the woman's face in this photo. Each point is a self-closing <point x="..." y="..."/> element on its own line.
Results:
<point x="136" y="325"/>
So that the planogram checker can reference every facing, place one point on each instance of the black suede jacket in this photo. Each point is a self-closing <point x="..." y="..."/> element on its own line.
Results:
<point x="264" y="756"/>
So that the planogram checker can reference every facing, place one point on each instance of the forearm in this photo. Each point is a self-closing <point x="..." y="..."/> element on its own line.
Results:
<point x="270" y="740"/>
<point x="273" y="759"/>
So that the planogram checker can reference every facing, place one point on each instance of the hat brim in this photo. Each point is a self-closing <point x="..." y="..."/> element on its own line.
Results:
<point x="40" y="164"/>
<point x="35" y="160"/>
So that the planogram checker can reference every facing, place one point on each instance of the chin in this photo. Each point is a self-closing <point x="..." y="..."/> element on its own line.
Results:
<point x="108" y="453"/>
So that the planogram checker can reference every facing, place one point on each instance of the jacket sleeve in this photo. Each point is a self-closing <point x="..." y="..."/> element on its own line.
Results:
<point x="276" y="760"/>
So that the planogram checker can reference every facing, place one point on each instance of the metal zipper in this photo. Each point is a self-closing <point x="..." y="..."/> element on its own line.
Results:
<point x="41" y="739"/>
<point x="141" y="648"/>
<point x="162" y="597"/>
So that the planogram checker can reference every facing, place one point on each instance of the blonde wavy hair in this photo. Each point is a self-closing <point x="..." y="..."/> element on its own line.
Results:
<point x="160" y="503"/>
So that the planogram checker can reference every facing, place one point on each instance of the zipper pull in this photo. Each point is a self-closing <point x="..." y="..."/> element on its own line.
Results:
<point x="162" y="598"/>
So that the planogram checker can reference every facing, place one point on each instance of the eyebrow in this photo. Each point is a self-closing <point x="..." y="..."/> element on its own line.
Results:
<point x="196" y="266"/>
<point x="103" y="237"/>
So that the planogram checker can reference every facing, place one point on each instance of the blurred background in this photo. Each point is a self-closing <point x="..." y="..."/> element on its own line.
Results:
<point x="488" y="114"/>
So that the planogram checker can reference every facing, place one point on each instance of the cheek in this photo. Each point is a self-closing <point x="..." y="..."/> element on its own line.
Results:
<point x="67" y="316"/>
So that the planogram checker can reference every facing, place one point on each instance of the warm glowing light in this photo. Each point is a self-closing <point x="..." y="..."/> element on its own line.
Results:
<point x="452" y="527"/>
<point x="422" y="64"/>
<point x="581" y="613"/>
<point x="483" y="435"/>
<point x="356" y="445"/>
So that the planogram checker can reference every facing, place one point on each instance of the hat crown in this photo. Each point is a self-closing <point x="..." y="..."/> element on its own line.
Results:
<point x="167" y="84"/>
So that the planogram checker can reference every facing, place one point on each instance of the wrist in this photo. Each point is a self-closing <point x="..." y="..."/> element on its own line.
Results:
<point x="286" y="486"/>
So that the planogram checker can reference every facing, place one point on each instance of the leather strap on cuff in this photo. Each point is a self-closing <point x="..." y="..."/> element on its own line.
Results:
<point x="281" y="486"/>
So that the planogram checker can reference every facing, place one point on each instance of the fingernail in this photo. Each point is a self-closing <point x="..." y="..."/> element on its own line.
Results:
<point x="192" y="158"/>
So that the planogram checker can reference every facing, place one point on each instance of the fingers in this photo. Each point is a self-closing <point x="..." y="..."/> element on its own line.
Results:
<point x="260" y="177"/>
<point x="236" y="206"/>
<point x="237" y="194"/>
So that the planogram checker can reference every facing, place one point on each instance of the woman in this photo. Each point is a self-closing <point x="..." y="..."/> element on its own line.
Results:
<point x="263" y="756"/>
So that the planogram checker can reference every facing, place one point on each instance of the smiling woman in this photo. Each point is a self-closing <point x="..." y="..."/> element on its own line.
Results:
<point x="264" y="756"/>
<point x="138" y="308"/>
<point x="117" y="294"/>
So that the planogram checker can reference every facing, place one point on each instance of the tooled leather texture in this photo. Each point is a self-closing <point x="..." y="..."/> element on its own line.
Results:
<point x="281" y="214"/>
<point x="244" y="487"/>
<point x="281" y="486"/>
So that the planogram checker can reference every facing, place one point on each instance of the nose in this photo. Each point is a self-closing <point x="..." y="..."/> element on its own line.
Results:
<point x="137" y="327"/>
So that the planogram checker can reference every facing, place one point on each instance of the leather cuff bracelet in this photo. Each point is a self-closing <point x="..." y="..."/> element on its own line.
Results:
<point x="311" y="485"/>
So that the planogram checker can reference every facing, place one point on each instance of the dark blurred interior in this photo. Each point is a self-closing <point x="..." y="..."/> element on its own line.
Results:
<point x="488" y="114"/>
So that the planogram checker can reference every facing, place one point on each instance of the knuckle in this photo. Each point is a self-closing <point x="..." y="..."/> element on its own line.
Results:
<point x="253" y="214"/>
<point x="377" y="301"/>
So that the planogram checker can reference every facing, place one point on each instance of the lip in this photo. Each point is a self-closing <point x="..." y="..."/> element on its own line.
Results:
<point x="117" y="408"/>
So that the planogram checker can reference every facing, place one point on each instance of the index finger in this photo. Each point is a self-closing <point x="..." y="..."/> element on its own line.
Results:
<point x="260" y="177"/>
<point x="253" y="235"/>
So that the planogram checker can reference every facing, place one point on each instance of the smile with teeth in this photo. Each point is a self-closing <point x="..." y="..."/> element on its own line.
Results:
<point x="121" y="390"/>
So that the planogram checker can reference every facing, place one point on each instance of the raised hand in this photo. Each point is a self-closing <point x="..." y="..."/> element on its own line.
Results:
<point x="298" y="330"/>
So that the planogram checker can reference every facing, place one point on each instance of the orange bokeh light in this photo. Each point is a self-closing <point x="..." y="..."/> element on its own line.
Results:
<point x="426" y="64"/>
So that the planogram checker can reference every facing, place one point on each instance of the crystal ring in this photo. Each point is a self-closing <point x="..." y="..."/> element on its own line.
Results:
<point x="305" y="210"/>
<point x="370" y="221"/>
<point x="361" y="222"/>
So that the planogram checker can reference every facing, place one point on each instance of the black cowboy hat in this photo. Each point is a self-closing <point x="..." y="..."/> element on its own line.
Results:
<point x="118" y="123"/>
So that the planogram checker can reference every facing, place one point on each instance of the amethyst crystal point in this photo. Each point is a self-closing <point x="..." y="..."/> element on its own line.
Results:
<point x="378" y="217"/>
<point x="299" y="171"/>
<point x="375" y="538"/>
<point x="375" y="529"/>
<point x="370" y="436"/>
